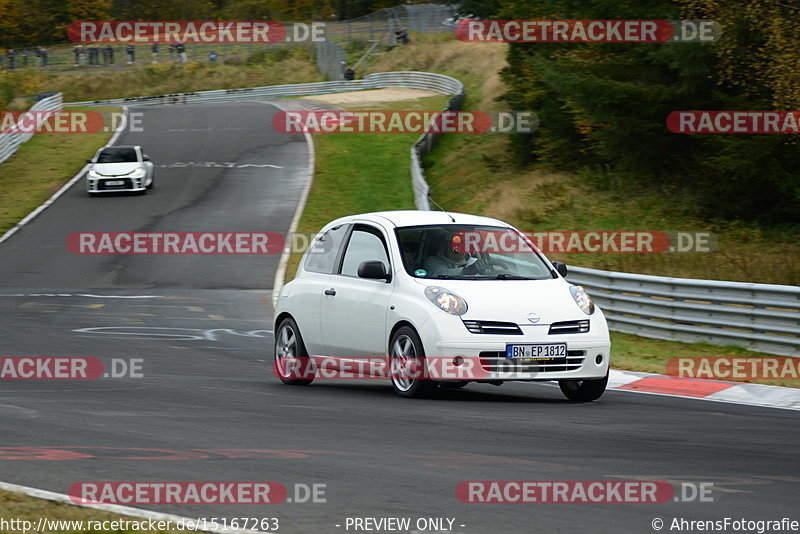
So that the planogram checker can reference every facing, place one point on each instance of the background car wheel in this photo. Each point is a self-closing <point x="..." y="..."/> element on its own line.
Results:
<point x="291" y="364"/>
<point x="407" y="365"/>
<point x="583" y="390"/>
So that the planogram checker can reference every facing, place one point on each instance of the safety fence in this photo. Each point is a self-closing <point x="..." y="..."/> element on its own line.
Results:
<point x="760" y="317"/>
<point x="10" y="142"/>
<point x="411" y="79"/>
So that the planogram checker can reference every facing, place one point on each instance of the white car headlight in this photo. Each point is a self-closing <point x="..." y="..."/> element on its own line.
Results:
<point x="93" y="173"/>
<point x="138" y="173"/>
<point x="582" y="299"/>
<point x="446" y="300"/>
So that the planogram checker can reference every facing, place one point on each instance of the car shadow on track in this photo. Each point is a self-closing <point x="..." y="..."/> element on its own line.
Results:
<point x="476" y="394"/>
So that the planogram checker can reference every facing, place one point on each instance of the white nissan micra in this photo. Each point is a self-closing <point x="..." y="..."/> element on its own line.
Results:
<point x="431" y="299"/>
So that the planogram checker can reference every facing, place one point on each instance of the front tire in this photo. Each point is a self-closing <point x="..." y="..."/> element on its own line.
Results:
<point x="407" y="365"/>
<point x="291" y="364"/>
<point x="583" y="390"/>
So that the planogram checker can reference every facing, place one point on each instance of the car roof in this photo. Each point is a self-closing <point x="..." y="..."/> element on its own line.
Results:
<point x="418" y="218"/>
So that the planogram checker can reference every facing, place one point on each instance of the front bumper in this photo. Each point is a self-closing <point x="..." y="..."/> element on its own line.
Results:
<point x="484" y="355"/>
<point x="100" y="184"/>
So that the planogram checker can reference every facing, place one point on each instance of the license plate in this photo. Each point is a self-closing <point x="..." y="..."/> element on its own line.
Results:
<point x="541" y="351"/>
<point x="115" y="182"/>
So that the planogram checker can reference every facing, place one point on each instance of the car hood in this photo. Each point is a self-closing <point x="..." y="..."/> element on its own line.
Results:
<point x="514" y="300"/>
<point x="116" y="169"/>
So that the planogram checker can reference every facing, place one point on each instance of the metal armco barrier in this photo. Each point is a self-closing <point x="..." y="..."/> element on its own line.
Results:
<point x="378" y="80"/>
<point x="10" y="142"/>
<point x="760" y="317"/>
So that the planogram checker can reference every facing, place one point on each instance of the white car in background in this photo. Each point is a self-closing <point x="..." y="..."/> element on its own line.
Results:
<point x="119" y="169"/>
<point x="374" y="287"/>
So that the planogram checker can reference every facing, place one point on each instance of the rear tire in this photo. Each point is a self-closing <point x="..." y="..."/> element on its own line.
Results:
<point x="407" y="365"/>
<point x="291" y="364"/>
<point x="583" y="390"/>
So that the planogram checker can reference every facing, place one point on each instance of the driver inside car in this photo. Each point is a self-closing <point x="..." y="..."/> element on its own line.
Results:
<point x="451" y="258"/>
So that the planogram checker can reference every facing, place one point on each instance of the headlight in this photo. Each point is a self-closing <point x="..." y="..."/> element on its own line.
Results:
<point x="582" y="299"/>
<point x="138" y="173"/>
<point x="446" y="300"/>
<point x="93" y="173"/>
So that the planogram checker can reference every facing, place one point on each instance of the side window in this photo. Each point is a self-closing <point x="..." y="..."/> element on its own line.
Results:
<point x="366" y="244"/>
<point x="322" y="254"/>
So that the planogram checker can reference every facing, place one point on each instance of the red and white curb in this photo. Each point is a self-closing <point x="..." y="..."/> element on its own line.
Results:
<point x="702" y="389"/>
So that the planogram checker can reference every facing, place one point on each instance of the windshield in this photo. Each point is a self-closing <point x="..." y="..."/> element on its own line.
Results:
<point x="117" y="155"/>
<point x="469" y="252"/>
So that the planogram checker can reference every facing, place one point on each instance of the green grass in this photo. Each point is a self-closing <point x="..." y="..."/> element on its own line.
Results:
<point x="280" y="66"/>
<point x="358" y="173"/>
<point x="42" y="165"/>
<point x="24" y="508"/>
<point x="635" y="353"/>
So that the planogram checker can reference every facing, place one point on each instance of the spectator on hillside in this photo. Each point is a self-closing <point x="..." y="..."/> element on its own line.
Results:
<point x="93" y="56"/>
<point x="2" y="59"/>
<point x="171" y="49"/>
<point x="110" y="50"/>
<point x="154" y="53"/>
<point x="131" y="51"/>
<point x="11" y="54"/>
<point x="180" y="48"/>
<point x="78" y="51"/>
<point x="38" y="56"/>
<point x="212" y="56"/>
<point x="24" y="57"/>
<point x="401" y="36"/>
<point x="349" y="74"/>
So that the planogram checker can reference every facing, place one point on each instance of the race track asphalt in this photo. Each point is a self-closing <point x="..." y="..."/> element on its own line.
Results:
<point x="209" y="409"/>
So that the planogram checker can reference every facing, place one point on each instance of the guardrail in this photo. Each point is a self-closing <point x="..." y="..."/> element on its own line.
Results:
<point x="378" y="80"/>
<point x="761" y="317"/>
<point x="10" y="142"/>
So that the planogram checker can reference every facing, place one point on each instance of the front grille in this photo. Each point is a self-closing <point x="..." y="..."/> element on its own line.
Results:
<point x="570" y="327"/>
<point x="493" y="327"/>
<point x="496" y="361"/>
<point x="126" y="184"/>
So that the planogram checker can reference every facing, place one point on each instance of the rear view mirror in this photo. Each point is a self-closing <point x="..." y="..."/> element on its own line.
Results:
<point x="561" y="268"/>
<point x="88" y="161"/>
<point x="145" y="158"/>
<point x="373" y="270"/>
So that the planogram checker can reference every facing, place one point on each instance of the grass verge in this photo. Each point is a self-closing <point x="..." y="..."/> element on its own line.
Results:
<point x="42" y="165"/>
<point x="25" y="508"/>
<point x="357" y="173"/>
<point x="470" y="173"/>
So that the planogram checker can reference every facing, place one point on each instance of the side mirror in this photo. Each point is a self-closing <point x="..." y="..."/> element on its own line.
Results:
<point x="89" y="161"/>
<point x="561" y="267"/>
<point x="373" y="270"/>
<point x="145" y="157"/>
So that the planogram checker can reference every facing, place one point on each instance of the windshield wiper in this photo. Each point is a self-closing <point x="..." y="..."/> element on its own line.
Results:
<point x="507" y="276"/>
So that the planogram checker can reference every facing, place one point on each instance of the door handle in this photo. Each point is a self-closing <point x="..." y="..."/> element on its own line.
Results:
<point x="331" y="292"/>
